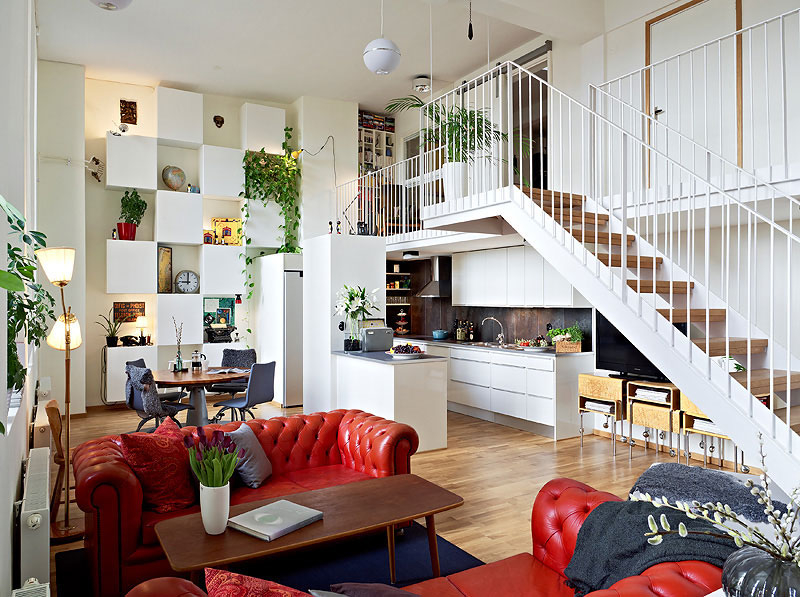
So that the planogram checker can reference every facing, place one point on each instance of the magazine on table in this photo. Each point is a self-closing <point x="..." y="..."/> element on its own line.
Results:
<point x="274" y="520"/>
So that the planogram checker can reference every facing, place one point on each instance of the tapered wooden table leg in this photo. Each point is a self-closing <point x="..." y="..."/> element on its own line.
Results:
<point x="390" y="540"/>
<point x="432" y="545"/>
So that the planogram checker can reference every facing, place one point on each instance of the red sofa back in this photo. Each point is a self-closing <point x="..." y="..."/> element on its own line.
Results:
<point x="558" y="513"/>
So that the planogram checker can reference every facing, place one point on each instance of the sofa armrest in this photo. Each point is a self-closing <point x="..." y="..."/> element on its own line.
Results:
<point x="167" y="586"/>
<point x="110" y="495"/>
<point x="558" y="513"/>
<point x="671" y="579"/>
<point x="376" y="446"/>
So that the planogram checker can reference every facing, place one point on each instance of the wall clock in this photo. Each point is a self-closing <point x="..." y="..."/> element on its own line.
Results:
<point x="187" y="282"/>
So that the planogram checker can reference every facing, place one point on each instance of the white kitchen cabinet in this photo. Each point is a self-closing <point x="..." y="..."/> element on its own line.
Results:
<point x="534" y="278"/>
<point x="471" y="372"/>
<point x="469" y="395"/>
<point x="512" y="404"/>
<point x="496" y="277"/>
<point x="458" y="278"/>
<point x="515" y="277"/>
<point x="557" y="290"/>
<point x="509" y="378"/>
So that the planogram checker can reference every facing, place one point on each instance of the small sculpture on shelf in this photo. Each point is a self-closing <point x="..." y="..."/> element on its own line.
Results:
<point x="401" y="324"/>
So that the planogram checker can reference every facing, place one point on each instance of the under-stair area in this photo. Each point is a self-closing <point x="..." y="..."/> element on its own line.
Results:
<point x="698" y="274"/>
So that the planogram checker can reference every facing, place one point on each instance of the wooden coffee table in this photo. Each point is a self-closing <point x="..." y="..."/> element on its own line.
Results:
<point x="351" y="509"/>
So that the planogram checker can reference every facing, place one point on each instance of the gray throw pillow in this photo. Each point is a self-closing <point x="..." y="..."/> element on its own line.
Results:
<point x="254" y="467"/>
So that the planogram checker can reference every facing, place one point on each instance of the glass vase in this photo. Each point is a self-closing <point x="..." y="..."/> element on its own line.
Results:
<point x="752" y="572"/>
<point x="178" y="361"/>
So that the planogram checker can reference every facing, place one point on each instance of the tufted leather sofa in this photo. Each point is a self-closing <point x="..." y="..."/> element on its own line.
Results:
<point x="558" y="513"/>
<point x="306" y="451"/>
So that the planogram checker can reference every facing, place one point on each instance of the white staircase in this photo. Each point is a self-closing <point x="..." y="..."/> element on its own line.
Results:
<point x="694" y="250"/>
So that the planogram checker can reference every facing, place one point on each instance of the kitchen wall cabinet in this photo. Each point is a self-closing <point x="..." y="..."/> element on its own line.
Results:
<point x="510" y="277"/>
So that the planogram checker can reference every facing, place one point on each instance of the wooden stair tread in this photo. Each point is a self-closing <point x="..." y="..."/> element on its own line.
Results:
<point x="600" y="238"/>
<point x="661" y="286"/>
<point x="795" y="418"/>
<point x="759" y="380"/>
<point x="632" y="260"/>
<point x="548" y="197"/>
<point x="696" y="315"/>
<point x="717" y="346"/>
<point x="578" y="217"/>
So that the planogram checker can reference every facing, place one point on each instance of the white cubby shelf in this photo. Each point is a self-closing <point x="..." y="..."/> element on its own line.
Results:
<point x="262" y="127"/>
<point x="186" y="308"/>
<point x="131" y="162"/>
<point x="178" y="218"/>
<point x="221" y="171"/>
<point x="221" y="270"/>
<point x="179" y="117"/>
<point x="131" y="267"/>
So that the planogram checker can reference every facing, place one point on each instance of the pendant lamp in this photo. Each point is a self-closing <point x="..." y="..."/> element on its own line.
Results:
<point x="381" y="55"/>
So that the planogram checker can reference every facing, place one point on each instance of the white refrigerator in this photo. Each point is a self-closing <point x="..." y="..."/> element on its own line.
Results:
<point x="277" y="304"/>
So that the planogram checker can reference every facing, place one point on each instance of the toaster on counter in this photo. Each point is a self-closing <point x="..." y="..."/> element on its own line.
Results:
<point x="376" y="339"/>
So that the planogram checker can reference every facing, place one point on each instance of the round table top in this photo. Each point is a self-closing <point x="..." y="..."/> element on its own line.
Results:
<point x="165" y="377"/>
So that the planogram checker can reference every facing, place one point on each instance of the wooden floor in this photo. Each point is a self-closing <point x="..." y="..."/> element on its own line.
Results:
<point x="497" y="470"/>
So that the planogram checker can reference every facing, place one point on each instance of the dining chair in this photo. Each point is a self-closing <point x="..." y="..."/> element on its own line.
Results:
<point x="148" y="410"/>
<point x="260" y="389"/>
<point x="241" y="359"/>
<point x="168" y="395"/>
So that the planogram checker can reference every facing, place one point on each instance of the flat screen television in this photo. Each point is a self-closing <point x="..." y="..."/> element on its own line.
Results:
<point x="615" y="352"/>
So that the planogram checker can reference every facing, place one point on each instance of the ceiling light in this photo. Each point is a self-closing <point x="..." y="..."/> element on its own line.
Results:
<point x="111" y="5"/>
<point x="410" y="255"/>
<point x="422" y="84"/>
<point x="381" y="55"/>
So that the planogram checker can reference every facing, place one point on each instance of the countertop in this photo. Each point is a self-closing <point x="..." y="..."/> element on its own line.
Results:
<point x="385" y="359"/>
<point x="467" y="344"/>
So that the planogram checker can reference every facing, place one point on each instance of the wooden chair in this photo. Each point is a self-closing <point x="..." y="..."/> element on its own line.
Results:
<point x="54" y="418"/>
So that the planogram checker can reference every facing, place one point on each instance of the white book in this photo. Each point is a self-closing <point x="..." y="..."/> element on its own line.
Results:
<point x="274" y="520"/>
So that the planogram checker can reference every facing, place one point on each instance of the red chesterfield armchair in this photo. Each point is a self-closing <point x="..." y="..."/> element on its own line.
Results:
<point x="306" y="452"/>
<point x="558" y="513"/>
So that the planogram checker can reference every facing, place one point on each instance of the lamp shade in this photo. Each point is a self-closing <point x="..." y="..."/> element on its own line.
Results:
<point x="381" y="56"/>
<point x="141" y="322"/>
<point x="57" y="263"/>
<point x="58" y="335"/>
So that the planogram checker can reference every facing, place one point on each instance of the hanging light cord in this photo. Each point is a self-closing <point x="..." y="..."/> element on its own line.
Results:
<point x="381" y="18"/>
<point x="332" y="141"/>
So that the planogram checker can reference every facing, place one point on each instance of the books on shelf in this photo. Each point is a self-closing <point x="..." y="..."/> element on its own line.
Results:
<point x="653" y="395"/>
<point x="274" y="520"/>
<point x="603" y="407"/>
<point x="707" y="426"/>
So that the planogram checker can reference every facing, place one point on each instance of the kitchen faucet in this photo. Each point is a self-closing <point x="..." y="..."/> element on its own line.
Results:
<point x="501" y="337"/>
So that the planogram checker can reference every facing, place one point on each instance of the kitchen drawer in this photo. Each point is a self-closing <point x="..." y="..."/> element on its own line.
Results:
<point x="508" y="403"/>
<point x="470" y="354"/>
<point x="513" y="360"/>
<point x="505" y="377"/>
<point x="437" y="351"/>
<point x="541" y="383"/>
<point x="541" y="363"/>
<point x="469" y="395"/>
<point x="656" y="417"/>
<point x="539" y="410"/>
<point x="472" y="372"/>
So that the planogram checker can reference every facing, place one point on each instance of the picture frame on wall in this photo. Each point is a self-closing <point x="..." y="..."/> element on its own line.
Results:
<point x="165" y="270"/>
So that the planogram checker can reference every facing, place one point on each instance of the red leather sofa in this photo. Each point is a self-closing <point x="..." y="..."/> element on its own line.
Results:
<point x="558" y="513"/>
<point x="306" y="451"/>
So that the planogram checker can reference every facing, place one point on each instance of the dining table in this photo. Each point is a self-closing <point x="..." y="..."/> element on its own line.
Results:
<point x="196" y="381"/>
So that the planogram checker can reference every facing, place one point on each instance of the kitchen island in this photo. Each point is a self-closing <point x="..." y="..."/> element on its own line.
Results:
<point x="410" y="391"/>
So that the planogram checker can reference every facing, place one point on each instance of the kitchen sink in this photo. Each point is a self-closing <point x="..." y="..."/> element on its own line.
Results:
<point x="496" y="345"/>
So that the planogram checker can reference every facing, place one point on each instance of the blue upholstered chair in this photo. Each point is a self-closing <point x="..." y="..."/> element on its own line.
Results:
<point x="260" y="389"/>
<point x="241" y="359"/>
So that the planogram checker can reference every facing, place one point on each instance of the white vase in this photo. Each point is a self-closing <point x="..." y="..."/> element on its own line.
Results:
<point x="215" y="508"/>
<point x="454" y="175"/>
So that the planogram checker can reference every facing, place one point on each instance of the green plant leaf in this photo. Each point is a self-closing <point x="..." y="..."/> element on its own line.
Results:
<point x="11" y="282"/>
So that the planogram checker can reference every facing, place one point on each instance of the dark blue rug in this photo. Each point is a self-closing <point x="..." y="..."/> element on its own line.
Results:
<point x="360" y="559"/>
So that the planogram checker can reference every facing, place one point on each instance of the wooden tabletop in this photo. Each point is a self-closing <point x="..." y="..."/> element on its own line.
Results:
<point x="351" y="509"/>
<point x="166" y="378"/>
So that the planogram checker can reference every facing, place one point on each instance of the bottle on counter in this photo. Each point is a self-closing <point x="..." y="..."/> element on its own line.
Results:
<point x="471" y="332"/>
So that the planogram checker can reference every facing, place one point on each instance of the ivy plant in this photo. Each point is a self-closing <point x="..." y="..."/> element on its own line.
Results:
<point x="30" y="306"/>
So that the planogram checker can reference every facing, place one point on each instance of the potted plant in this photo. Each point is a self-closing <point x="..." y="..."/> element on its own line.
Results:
<point x="131" y="213"/>
<point x="463" y="133"/>
<point x="213" y="462"/>
<point x="354" y="304"/>
<point x="768" y="562"/>
<point x="110" y="327"/>
<point x="567" y="339"/>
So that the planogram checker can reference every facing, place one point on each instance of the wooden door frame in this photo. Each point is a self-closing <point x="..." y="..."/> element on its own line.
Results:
<point x="739" y="93"/>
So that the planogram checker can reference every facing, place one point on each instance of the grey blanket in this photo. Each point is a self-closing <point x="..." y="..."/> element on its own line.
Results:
<point x="687" y="483"/>
<point x="138" y="378"/>
<point x="611" y="545"/>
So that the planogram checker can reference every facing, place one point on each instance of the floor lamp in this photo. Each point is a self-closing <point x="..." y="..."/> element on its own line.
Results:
<point x="58" y="263"/>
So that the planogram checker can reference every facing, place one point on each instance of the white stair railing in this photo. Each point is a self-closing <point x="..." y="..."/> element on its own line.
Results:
<point x="733" y="95"/>
<point x="648" y="240"/>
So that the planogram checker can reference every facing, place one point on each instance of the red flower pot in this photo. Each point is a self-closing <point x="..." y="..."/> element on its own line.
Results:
<point x="126" y="231"/>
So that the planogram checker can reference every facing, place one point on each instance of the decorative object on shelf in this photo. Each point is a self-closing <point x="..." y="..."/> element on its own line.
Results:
<point x="57" y="263"/>
<point x="355" y="304"/>
<point x="110" y="327"/>
<point x="213" y="462"/>
<point x="96" y="168"/>
<point x="178" y="337"/>
<point x="566" y="339"/>
<point x="165" y="269"/>
<point x="396" y="268"/>
<point x="173" y="177"/>
<point x="228" y="231"/>
<point x="219" y="120"/>
<point x="381" y="55"/>
<point x="208" y="237"/>
<point x="193" y="188"/>
<point x="113" y="234"/>
<point x="768" y="563"/>
<point x="127" y="312"/>
<point x="215" y="308"/>
<point x="127" y="111"/>
<point x="30" y="306"/>
<point x="187" y="282"/>
<point x="401" y="324"/>
<point x="132" y="209"/>
<point x="238" y="299"/>
<point x="141" y="325"/>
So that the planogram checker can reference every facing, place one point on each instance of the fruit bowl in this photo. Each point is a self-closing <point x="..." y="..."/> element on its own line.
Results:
<point x="405" y="352"/>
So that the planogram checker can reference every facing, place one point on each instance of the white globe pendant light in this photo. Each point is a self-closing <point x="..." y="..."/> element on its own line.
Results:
<point x="111" y="5"/>
<point x="381" y="55"/>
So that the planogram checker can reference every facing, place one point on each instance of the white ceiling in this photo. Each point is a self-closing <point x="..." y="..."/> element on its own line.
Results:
<point x="268" y="49"/>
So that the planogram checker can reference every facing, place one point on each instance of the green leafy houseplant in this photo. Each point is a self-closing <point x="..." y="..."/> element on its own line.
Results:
<point x="570" y="334"/>
<point x="354" y="303"/>
<point x="110" y="327"/>
<point x="132" y="208"/>
<point x="30" y="306"/>
<point x="213" y="461"/>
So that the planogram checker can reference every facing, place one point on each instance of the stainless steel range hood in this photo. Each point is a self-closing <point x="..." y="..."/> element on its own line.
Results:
<point x="439" y="286"/>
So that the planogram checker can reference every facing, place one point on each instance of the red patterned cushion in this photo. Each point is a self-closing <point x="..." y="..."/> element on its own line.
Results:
<point x="221" y="583"/>
<point x="161" y="463"/>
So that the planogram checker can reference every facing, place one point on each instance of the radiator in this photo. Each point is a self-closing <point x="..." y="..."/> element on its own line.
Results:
<point x="32" y="590"/>
<point x="34" y="518"/>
